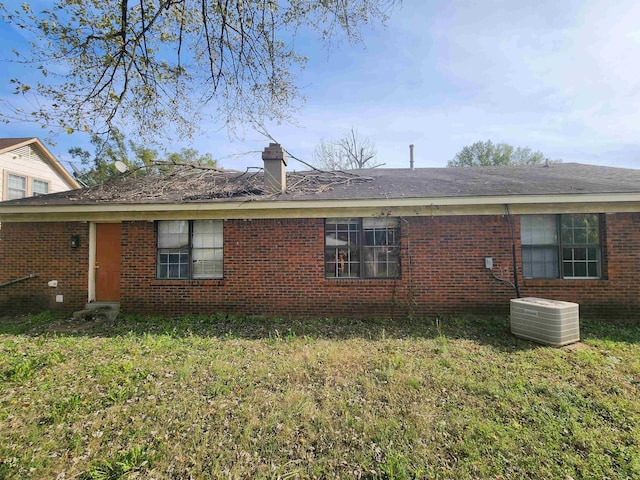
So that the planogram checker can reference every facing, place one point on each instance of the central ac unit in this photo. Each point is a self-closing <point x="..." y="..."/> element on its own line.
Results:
<point x="551" y="322"/>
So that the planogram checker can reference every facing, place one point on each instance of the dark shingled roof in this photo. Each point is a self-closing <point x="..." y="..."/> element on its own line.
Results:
<point x="10" y="142"/>
<point x="195" y="185"/>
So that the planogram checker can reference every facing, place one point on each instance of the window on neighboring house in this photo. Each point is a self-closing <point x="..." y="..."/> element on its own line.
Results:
<point x="190" y="249"/>
<point x="39" y="187"/>
<point x="16" y="186"/>
<point x="561" y="246"/>
<point x="362" y="248"/>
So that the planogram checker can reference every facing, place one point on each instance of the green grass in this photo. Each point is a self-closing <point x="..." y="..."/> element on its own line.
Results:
<point x="231" y="397"/>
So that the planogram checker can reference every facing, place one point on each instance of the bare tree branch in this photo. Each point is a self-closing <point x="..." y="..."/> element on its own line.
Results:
<point x="347" y="153"/>
<point x="153" y="64"/>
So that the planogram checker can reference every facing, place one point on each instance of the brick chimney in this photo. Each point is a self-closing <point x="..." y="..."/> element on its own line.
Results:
<point x="275" y="175"/>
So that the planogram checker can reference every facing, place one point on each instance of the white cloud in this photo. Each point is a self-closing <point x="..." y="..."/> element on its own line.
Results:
<point x="577" y="74"/>
<point x="560" y="77"/>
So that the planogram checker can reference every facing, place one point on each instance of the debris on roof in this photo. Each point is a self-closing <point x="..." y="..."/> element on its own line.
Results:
<point x="193" y="183"/>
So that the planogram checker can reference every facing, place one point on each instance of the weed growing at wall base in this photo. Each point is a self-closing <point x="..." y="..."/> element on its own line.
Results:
<point x="252" y="397"/>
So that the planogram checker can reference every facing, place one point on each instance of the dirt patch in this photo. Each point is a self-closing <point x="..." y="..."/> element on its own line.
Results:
<point x="577" y="346"/>
<point x="71" y="325"/>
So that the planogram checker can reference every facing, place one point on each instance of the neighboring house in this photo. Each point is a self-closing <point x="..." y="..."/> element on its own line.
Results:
<point x="28" y="168"/>
<point x="378" y="243"/>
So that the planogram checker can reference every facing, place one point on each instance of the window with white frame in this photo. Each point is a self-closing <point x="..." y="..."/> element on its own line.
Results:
<point x="39" y="187"/>
<point x="561" y="246"/>
<point x="16" y="186"/>
<point x="362" y="248"/>
<point x="190" y="249"/>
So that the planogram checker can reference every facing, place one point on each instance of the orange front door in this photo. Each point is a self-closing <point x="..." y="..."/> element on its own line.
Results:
<point x="108" y="262"/>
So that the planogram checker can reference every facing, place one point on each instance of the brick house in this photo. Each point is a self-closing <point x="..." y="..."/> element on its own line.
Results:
<point x="376" y="243"/>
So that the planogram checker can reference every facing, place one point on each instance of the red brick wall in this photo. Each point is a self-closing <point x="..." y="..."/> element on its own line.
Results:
<point x="275" y="267"/>
<point x="271" y="267"/>
<point x="43" y="249"/>
<point x="448" y="268"/>
<point x="618" y="293"/>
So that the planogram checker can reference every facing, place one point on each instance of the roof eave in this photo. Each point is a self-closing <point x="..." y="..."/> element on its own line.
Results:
<point x="436" y="206"/>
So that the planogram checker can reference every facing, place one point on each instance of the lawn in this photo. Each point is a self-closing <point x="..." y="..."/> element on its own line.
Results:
<point x="229" y="397"/>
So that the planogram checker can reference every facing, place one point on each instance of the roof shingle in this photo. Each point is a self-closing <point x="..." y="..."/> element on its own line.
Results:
<point x="10" y="142"/>
<point x="193" y="185"/>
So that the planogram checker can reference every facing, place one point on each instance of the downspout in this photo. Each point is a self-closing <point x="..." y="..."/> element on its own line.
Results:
<point x="516" y="287"/>
<point x="16" y="280"/>
<point x="410" y="292"/>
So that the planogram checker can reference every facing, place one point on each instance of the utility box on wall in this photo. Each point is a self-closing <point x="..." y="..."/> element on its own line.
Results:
<point x="551" y="322"/>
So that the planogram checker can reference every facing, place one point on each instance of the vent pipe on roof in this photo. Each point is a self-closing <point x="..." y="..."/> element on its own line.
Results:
<point x="275" y="175"/>
<point x="411" y="156"/>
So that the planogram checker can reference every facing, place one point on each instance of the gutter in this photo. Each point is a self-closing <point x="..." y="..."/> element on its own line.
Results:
<point x="523" y="204"/>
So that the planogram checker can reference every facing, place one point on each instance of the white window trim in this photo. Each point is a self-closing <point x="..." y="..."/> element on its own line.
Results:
<point x="28" y="183"/>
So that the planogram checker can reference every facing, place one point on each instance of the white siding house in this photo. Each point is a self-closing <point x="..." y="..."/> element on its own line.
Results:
<point x="28" y="168"/>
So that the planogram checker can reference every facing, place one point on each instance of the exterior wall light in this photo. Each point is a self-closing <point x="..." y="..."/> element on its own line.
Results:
<point x="75" y="241"/>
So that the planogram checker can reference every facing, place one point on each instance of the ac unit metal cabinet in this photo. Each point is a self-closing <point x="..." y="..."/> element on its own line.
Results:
<point x="551" y="322"/>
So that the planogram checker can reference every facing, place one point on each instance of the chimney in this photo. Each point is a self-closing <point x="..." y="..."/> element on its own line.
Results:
<point x="275" y="175"/>
<point x="411" y="156"/>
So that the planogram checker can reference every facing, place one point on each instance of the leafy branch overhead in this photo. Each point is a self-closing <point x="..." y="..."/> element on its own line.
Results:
<point x="155" y="64"/>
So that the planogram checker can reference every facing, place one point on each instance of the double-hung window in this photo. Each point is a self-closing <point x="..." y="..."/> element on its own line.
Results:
<point x="561" y="246"/>
<point x="16" y="186"/>
<point x="39" y="187"/>
<point x="190" y="249"/>
<point x="362" y="248"/>
<point x="20" y="186"/>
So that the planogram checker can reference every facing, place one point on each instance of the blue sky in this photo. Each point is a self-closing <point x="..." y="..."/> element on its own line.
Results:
<point x="560" y="77"/>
